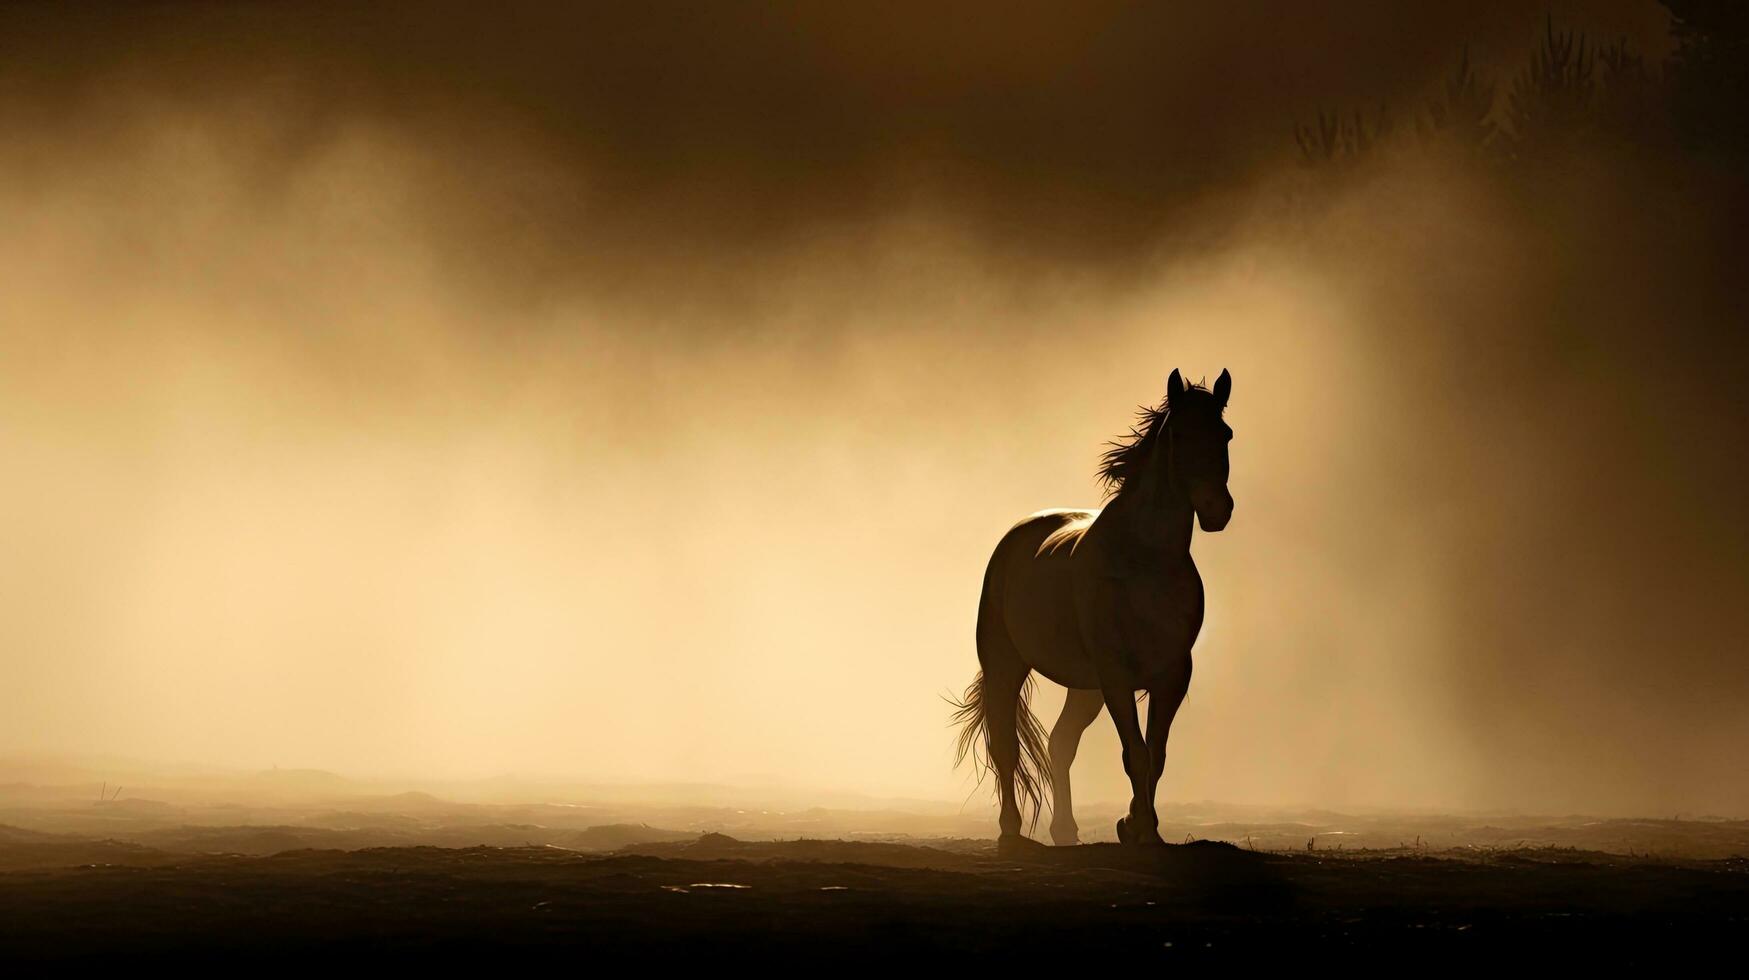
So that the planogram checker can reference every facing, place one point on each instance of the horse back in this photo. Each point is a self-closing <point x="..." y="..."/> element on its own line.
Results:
<point x="1029" y="592"/>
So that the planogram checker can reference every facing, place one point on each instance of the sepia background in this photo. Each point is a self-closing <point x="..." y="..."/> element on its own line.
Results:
<point x="429" y="392"/>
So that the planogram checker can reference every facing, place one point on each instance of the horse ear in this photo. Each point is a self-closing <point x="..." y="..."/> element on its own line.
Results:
<point x="1223" y="388"/>
<point x="1174" y="386"/>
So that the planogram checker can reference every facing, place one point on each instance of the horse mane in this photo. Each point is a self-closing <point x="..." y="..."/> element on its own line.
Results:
<point x="1125" y="456"/>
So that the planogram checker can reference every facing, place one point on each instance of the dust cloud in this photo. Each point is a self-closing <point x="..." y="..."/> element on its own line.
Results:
<point x="472" y="405"/>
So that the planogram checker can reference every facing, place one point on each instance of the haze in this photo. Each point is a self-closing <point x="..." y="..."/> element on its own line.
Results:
<point x="637" y="397"/>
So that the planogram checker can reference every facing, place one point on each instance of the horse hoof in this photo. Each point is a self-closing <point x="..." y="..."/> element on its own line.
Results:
<point x="1065" y="838"/>
<point x="1127" y="835"/>
<point x="1015" y="845"/>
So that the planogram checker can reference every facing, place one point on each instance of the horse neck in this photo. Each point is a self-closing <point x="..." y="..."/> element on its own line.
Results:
<point x="1156" y="515"/>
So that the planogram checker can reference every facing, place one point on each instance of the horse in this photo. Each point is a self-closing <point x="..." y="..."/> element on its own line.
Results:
<point x="1106" y="603"/>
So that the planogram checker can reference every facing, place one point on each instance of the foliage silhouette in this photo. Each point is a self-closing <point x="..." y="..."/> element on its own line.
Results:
<point x="1569" y="91"/>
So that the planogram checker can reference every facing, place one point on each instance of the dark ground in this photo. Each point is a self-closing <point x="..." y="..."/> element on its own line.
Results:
<point x="826" y="904"/>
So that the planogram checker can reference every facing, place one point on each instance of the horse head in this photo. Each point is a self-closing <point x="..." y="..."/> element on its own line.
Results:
<point x="1196" y="447"/>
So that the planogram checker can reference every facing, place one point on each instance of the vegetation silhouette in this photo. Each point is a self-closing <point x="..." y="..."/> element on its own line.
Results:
<point x="1571" y="89"/>
<point x="1106" y="603"/>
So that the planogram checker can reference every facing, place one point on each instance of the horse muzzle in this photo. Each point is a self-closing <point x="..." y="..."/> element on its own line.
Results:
<point x="1213" y="513"/>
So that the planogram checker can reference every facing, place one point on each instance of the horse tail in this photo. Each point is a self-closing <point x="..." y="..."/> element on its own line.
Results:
<point x="1032" y="777"/>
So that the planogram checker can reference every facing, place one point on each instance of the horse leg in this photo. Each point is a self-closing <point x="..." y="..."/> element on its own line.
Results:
<point x="1163" y="702"/>
<point x="1141" y="826"/>
<point x="1001" y="706"/>
<point x="1079" y="710"/>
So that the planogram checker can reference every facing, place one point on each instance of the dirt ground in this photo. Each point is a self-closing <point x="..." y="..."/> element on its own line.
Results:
<point x="302" y="868"/>
<point x="714" y="899"/>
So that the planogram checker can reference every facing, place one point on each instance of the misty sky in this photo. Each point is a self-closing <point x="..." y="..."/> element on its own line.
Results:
<point x="636" y="394"/>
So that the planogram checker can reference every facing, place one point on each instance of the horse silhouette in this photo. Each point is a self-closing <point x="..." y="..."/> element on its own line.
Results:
<point x="1106" y="603"/>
